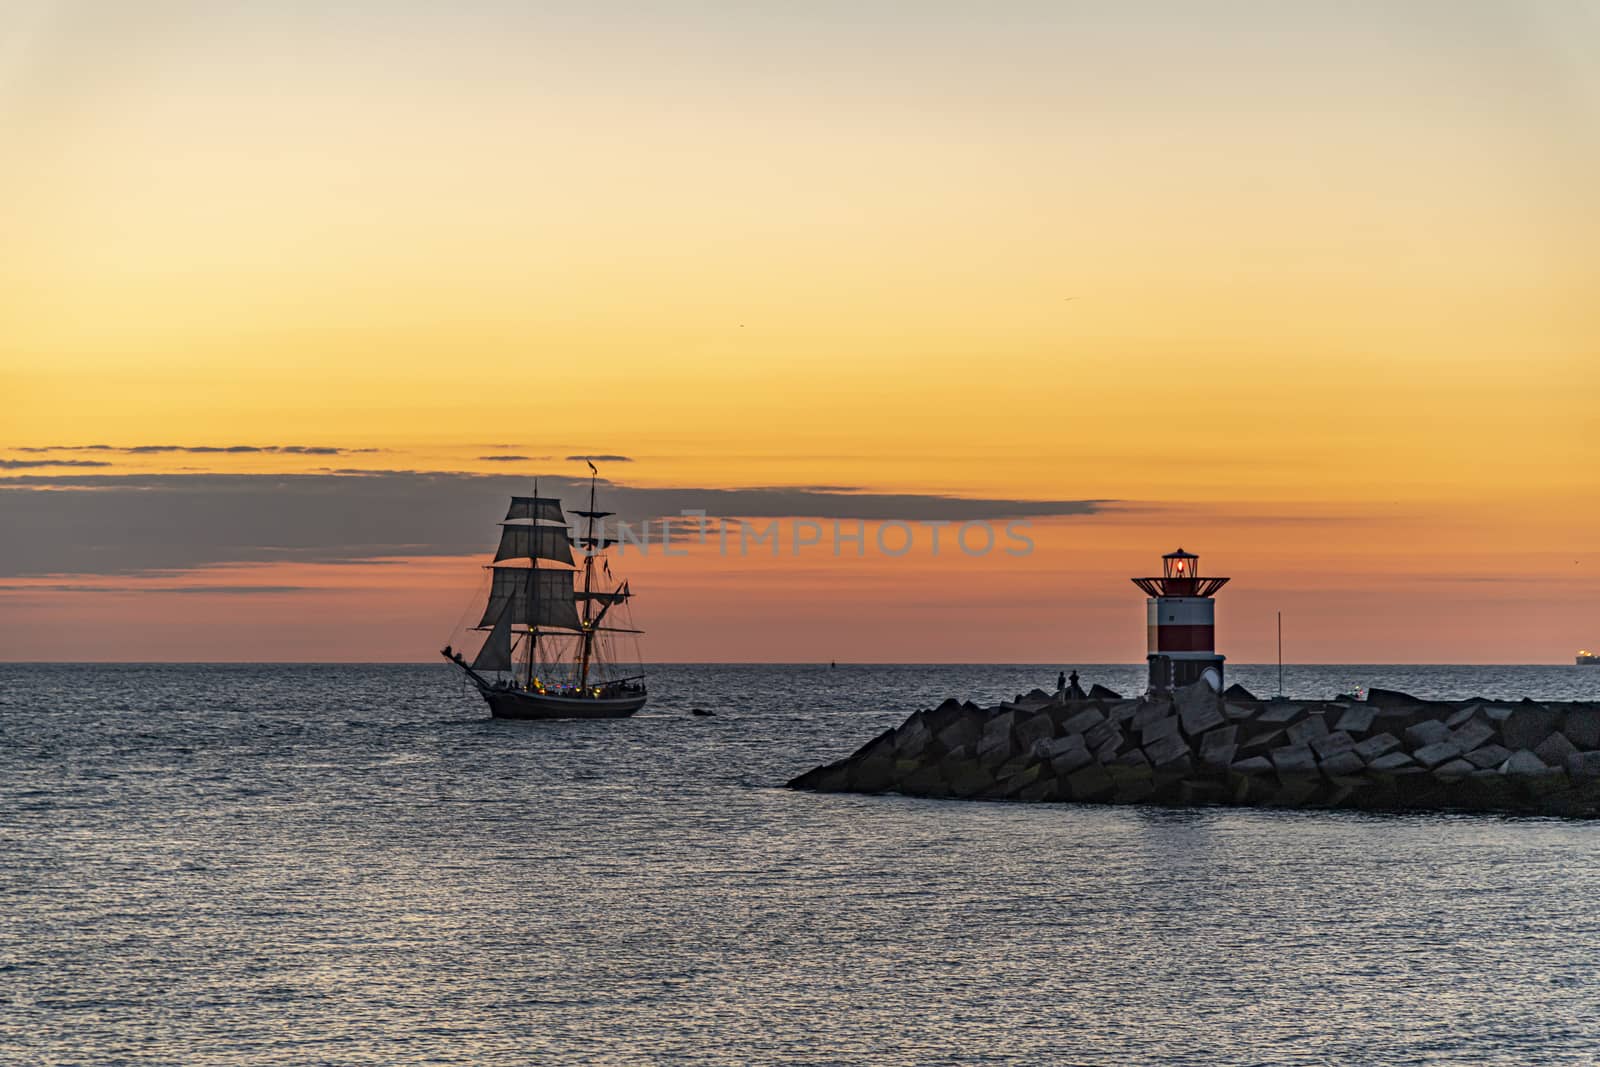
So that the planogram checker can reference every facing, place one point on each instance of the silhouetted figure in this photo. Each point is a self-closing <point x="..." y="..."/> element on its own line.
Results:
<point x="1074" y="690"/>
<point x="1061" y="682"/>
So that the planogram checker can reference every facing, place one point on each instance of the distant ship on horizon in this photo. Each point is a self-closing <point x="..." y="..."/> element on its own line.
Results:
<point x="550" y="651"/>
<point x="1587" y="658"/>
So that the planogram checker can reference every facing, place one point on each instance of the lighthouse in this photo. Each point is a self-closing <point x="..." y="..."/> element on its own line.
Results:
<point x="1181" y="620"/>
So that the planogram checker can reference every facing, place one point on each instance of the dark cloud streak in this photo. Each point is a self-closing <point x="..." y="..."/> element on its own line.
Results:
<point x="129" y="523"/>
<point x="147" y="450"/>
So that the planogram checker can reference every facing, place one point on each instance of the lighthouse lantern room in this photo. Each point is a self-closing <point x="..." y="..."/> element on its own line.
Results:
<point x="1181" y="619"/>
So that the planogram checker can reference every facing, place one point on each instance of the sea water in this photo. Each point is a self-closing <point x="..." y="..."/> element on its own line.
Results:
<point x="354" y="864"/>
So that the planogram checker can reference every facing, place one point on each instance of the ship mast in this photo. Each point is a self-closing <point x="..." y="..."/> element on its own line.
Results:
<point x="532" y="601"/>
<point x="588" y="575"/>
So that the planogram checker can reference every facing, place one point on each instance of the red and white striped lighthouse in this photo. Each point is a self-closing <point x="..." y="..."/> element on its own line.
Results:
<point x="1181" y="620"/>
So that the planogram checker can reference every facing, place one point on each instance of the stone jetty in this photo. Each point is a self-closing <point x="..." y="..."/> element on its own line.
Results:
<point x="1389" y="752"/>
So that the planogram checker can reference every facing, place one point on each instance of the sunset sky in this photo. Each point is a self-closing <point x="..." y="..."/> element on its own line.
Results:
<point x="1310" y="289"/>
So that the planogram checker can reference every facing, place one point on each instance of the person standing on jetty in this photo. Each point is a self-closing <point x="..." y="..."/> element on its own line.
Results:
<point x="1061" y="682"/>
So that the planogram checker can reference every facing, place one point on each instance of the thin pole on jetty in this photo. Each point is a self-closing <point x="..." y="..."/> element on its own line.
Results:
<point x="1280" y="654"/>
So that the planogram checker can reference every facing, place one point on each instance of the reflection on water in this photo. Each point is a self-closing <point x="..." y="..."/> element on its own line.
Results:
<point x="293" y="865"/>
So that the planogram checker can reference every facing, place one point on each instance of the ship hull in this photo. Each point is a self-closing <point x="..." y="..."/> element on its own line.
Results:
<point x="515" y="704"/>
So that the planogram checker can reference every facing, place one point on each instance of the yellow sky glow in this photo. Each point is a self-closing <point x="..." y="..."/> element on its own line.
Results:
<point x="1310" y="290"/>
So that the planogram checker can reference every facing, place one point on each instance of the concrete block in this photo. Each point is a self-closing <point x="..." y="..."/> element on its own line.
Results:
<point x="1100" y="692"/>
<point x="1526" y="727"/>
<point x="1195" y="694"/>
<point x="1427" y="732"/>
<point x="1523" y="761"/>
<point x="834" y="778"/>
<point x="1252" y="765"/>
<point x="1236" y="712"/>
<point x="1488" y="756"/>
<point x="1342" y="763"/>
<point x="1392" y="761"/>
<point x="1293" y="759"/>
<point x="1089" y="783"/>
<point x="1218" y="747"/>
<point x="1037" y="727"/>
<point x="1456" y="768"/>
<point x="1043" y="791"/>
<point x="881" y="745"/>
<point x="1080" y="721"/>
<point x="1071" y="760"/>
<point x="923" y="782"/>
<point x="1377" y="745"/>
<point x="995" y="749"/>
<point x="1437" y="753"/>
<point x="1555" y="749"/>
<point x="875" y="774"/>
<point x="1201" y="794"/>
<point x="1123" y="711"/>
<point x="1168" y="751"/>
<point x="1585" y="765"/>
<point x="1473" y="733"/>
<point x="1016" y="783"/>
<point x="1108" y="751"/>
<point x="1134" y="757"/>
<point x="1015" y="765"/>
<point x="1582" y="727"/>
<point x="1259" y="744"/>
<point x="962" y="732"/>
<point x="1056" y="746"/>
<point x="1307" y="729"/>
<point x="1129" y="784"/>
<point x="1099" y="734"/>
<point x="1459" y="718"/>
<point x="912" y="741"/>
<point x="1150" y="712"/>
<point x="1392" y="698"/>
<point x="1295" y="790"/>
<point x="1001" y="722"/>
<point x="1201" y="713"/>
<point x="1355" y="721"/>
<point x="1154" y="731"/>
<point x="1281" y="712"/>
<point x="966" y="778"/>
<point x="1332" y="744"/>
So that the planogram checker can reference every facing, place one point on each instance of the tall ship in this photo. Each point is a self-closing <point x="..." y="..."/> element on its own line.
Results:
<point x="1587" y="658"/>
<point x="552" y="645"/>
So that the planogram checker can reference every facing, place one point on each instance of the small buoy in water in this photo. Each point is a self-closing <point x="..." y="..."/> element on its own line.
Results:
<point x="700" y="711"/>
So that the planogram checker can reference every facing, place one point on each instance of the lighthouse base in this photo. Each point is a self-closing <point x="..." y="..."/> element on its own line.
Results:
<point x="1170" y="671"/>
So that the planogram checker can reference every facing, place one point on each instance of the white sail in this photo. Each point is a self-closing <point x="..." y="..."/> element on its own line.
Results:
<point x="515" y="590"/>
<point x="496" y="652"/>
<point x="535" y="542"/>
<point x="537" y="508"/>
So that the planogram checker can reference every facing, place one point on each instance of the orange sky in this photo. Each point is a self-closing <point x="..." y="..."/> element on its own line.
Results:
<point x="1309" y="291"/>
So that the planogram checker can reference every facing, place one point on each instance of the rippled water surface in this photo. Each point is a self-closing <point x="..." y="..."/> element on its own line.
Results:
<point x="355" y="865"/>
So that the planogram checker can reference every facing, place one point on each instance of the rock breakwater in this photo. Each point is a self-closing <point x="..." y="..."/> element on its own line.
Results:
<point x="1389" y="752"/>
